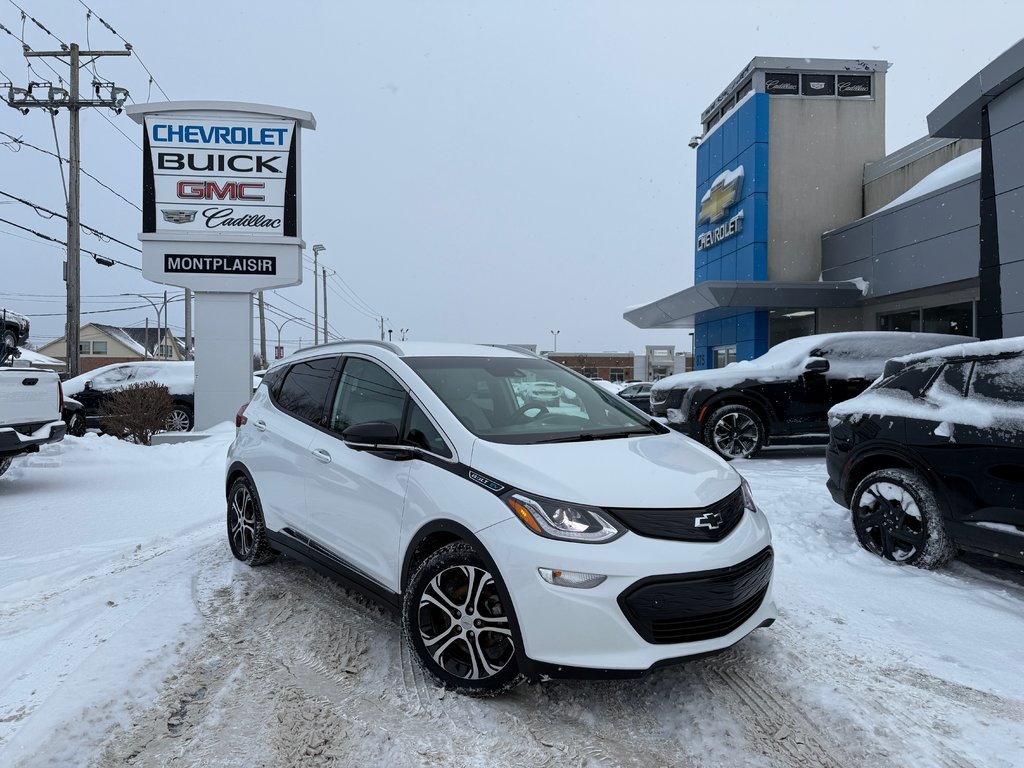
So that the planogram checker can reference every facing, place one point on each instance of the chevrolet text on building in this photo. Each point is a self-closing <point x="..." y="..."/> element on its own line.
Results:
<point x="726" y="189"/>
<point x="221" y="215"/>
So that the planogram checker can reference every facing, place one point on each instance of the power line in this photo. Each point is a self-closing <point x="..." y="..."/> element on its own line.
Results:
<point x="100" y="258"/>
<point x="98" y="233"/>
<point x="135" y="53"/>
<point x="36" y="22"/>
<point x="22" y="143"/>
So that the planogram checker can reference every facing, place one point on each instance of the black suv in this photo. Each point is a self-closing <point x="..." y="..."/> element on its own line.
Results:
<point x="785" y="394"/>
<point x="930" y="459"/>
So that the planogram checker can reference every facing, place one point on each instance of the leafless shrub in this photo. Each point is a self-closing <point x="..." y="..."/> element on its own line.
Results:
<point x="135" y="412"/>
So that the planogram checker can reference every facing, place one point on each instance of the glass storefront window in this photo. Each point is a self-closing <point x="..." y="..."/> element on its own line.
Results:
<point x="900" y="321"/>
<point x="724" y="355"/>
<point x="950" y="318"/>
<point x="786" y="324"/>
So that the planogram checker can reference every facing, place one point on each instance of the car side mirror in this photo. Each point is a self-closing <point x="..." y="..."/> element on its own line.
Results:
<point x="371" y="435"/>
<point x="816" y="365"/>
<point x="87" y="385"/>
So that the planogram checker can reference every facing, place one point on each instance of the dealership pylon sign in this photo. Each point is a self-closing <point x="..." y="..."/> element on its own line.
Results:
<point x="222" y="215"/>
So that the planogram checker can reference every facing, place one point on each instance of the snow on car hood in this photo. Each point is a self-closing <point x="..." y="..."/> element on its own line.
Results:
<point x="660" y="471"/>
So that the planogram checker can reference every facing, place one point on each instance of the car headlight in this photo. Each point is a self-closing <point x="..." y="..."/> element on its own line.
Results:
<point x="560" y="520"/>
<point x="748" y="497"/>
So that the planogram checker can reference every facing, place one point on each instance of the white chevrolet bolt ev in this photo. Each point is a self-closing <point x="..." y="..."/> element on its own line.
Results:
<point x="518" y="540"/>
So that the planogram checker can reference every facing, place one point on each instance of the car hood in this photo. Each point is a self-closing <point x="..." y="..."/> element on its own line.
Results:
<point x="658" y="471"/>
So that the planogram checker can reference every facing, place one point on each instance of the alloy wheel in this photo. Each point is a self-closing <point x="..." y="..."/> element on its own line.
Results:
<point x="891" y="521"/>
<point x="242" y="521"/>
<point x="736" y="435"/>
<point x="179" y="421"/>
<point x="463" y="625"/>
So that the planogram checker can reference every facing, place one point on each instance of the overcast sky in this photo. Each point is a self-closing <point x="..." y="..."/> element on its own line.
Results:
<point x="481" y="171"/>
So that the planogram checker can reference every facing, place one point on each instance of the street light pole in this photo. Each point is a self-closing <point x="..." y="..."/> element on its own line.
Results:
<point x="554" y="335"/>
<point x="316" y="304"/>
<point x="145" y="344"/>
<point x="279" y="328"/>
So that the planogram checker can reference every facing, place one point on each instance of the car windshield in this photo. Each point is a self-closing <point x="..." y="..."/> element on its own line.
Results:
<point x="527" y="401"/>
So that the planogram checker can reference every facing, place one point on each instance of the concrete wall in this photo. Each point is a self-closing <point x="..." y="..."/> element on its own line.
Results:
<point x="931" y="241"/>
<point x="881" y="191"/>
<point x="817" y="152"/>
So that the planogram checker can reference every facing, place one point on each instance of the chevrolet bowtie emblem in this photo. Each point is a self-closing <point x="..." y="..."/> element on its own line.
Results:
<point x="725" y="191"/>
<point x="710" y="520"/>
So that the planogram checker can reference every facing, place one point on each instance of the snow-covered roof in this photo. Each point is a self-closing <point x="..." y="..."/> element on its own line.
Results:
<point x="970" y="349"/>
<point x="957" y="169"/>
<point x="34" y="358"/>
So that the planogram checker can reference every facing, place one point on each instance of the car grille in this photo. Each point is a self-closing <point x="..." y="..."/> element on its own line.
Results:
<point x="697" y="606"/>
<point x="711" y="523"/>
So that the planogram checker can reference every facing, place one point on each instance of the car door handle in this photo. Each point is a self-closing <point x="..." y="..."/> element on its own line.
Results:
<point x="260" y="425"/>
<point x="321" y="455"/>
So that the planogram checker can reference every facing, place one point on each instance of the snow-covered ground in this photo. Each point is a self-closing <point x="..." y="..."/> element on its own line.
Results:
<point x="130" y="636"/>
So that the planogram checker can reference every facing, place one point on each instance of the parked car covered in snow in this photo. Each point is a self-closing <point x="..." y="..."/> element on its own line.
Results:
<point x="930" y="459"/>
<point x="639" y="394"/>
<point x="13" y="328"/>
<point x="91" y="389"/>
<point x="783" y="394"/>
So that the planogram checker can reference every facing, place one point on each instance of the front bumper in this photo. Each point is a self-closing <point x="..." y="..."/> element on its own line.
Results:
<point x="15" y="443"/>
<point x="570" y="632"/>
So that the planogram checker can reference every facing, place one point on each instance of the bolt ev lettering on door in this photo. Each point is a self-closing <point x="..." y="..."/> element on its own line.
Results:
<point x="425" y="475"/>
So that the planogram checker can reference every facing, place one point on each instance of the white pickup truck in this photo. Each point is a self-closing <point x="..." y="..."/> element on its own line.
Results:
<point x="30" y="408"/>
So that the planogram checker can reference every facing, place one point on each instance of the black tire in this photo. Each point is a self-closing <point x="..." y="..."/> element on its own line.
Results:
<point x="76" y="424"/>
<point x="5" y="464"/>
<point x="735" y="432"/>
<point x="473" y="656"/>
<point x="9" y="338"/>
<point x="180" y="419"/>
<point x="247" y="532"/>
<point x="896" y="516"/>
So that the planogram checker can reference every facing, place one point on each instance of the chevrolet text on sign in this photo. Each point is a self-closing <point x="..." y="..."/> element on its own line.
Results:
<point x="235" y="176"/>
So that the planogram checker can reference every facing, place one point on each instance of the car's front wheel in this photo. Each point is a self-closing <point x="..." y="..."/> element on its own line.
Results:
<point x="180" y="419"/>
<point x="458" y="625"/>
<point x="734" y="432"/>
<point x="247" y="531"/>
<point x="896" y="515"/>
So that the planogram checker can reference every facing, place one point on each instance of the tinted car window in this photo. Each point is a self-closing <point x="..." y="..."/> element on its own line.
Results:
<point x="912" y="379"/>
<point x="305" y="388"/>
<point x="366" y="393"/>
<point x="999" y="380"/>
<point x="952" y="379"/>
<point x="422" y="433"/>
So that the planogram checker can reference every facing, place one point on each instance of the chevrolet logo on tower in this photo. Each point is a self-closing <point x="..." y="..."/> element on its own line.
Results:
<point x="715" y="204"/>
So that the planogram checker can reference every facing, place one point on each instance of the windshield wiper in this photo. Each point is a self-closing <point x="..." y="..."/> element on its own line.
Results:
<point x="587" y="436"/>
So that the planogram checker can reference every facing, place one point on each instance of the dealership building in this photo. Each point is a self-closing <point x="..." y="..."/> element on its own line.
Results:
<point x="804" y="225"/>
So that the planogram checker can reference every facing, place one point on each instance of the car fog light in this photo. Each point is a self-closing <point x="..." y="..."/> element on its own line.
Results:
<point x="674" y="415"/>
<point x="571" y="578"/>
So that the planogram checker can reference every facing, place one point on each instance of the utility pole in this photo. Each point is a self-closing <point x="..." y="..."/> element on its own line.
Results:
<point x="316" y="308"/>
<point x="23" y="99"/>
<point x="263" y="333"/>
<point x="382" y="328"/>
<point x="165" y="351"/>
<point x="325" y="303"/>
<point x="188" y="323"/>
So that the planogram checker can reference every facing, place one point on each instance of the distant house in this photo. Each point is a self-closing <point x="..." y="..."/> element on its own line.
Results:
<point x="101" y="345"/>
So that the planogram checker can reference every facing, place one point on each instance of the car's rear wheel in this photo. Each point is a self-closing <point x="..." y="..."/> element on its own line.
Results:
<point x="734" y="432"/>
<point x="9" y="338"/>
<point x="458" y="625"/>
<point x="179" y="419"/>
<point x="896" y="516"/>
<point x="247" y="531"/>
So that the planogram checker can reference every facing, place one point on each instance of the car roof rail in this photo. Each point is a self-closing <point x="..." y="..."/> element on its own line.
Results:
<point x="390" y="346"/>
